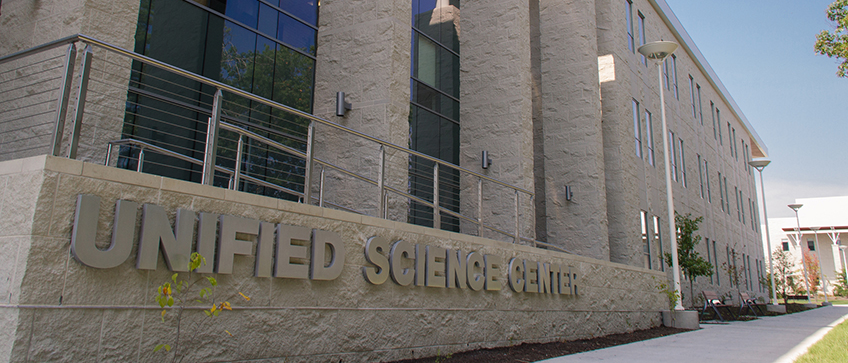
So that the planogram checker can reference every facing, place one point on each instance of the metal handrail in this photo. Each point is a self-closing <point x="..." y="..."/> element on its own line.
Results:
<point x="145" y="145"/>
<point x="217" y="122"/>
<point x="230" y="89"/>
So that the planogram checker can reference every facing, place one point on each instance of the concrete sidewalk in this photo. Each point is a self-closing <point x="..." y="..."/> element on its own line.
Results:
<point x="768" y="339"/>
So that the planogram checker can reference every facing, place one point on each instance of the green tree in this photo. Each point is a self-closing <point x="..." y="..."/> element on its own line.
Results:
<point x="841" y="288"/>
<point x="783" y="279"/>
<point x="691" y="263"/>
<point x="835" y="43"/>
<point x="813" y="272"/>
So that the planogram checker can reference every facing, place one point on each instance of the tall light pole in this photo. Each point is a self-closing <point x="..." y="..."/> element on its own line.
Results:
<point x="760" y="165"/>
<point x="659" y="51"/>
<point x="821" y="270"/>
<point x="796" y="207"/>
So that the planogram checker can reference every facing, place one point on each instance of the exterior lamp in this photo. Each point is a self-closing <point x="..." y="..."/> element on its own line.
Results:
<point x="659" y="51"/>
<point x="796" y="207"/>
<point x="760" y="165"/>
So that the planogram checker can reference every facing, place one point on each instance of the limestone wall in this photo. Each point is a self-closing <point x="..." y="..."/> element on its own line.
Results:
<point x="55" y="308"/>
<point x="28" y="24"/>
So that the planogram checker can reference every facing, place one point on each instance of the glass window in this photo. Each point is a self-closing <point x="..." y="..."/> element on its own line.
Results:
<point x="637" y="129"/>
<point x="646" y="244"/>
<point x="707" y="173"/>
<point x="715" y="258"/>
<point x="730" y="139"/>
<point x="230" y="41"/>
<point x="713" y="112"/>
<point x="682" y="164"/>
<point x="730" y="263"/>
<point x="237" y="56"/>
<point x="700" y="105"/>
<point x="434" y="110"/>
<point x="642" y="36"/>
<point x="649" y="136"/>
<point x="726" y="195"/>
<point x="629" y="18"/>
<point x="811" y="245"/>
<point x="701" y="176"/>
<point x="294" y="33"/>
<point x="306" y="10"/>
<point x="785" y="245"/>
<point x="658" y="240"/>
<point x="243" y="11"/>
<point x="738" y="194"/>
<point x="718" y="119"/>
<point x="709" y="256"/>
<point x="673" y="156"/>
<point x="674" y="75"/>
<point x="692" y="96"/>
<point x="721" y="191"/>
<point x="267" y="19"/>
<point x="735" y="145"/>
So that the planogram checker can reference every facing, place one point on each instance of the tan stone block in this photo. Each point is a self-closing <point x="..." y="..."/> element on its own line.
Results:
<point x="52" y="326"/>
<point x="107" y="173"/>
<point x="11" y="166"/>
<point x="186" y="187"/>
<point x="120" y="334"/>
<point x="63" y="165"/>
<point x="19" y="203"/>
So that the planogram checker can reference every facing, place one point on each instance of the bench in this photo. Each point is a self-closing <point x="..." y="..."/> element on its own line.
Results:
<point x="712" y="300"/>
<point x="747" y="302"/>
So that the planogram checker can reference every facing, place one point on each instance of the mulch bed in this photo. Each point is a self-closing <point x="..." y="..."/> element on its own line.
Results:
<point x="532" y="352"/>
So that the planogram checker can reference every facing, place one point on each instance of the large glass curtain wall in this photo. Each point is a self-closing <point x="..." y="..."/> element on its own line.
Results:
<point x="263" y="47"/>
<point x="434" y="107"/>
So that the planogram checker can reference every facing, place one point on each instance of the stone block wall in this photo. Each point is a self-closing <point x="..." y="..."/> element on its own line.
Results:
<point x="29" y="24"/>
<point x="572" y="130"/>
<point x="57" y="308"/>
<point x="633" y="184"/>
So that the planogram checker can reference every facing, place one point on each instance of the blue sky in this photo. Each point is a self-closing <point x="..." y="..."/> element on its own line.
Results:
<point x="763" y="53"/>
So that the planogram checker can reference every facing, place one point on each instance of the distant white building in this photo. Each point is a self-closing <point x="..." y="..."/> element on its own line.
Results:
<point x="823" y="223"/>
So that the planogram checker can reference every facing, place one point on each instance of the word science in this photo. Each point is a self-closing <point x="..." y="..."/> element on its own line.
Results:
<point x="433" y="266"/>
<point x="295" y="252"/>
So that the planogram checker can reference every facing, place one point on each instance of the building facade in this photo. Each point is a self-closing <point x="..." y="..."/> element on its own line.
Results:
<point x="823" y="227"/>
<point x="554" y="94"/>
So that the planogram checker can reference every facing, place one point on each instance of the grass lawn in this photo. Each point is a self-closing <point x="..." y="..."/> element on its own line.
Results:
<point x="832" y="348"/>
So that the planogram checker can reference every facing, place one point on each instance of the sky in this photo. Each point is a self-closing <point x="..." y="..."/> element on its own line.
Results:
<point x="763" y="54"/>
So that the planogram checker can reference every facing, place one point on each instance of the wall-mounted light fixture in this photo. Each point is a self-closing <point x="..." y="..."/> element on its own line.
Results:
<point x="341" y="105"/>
<point x="486" y="161"/>
<point x="568" y="193"/>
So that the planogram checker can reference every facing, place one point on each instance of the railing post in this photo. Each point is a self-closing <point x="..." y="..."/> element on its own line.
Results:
<point x="80" y="106"/>
<point x="321" y="188"/>
<point x="517" y="221"/>
<point x="480" y="206"/>
<point x="310" y="150"/>
<point x="140" y="160"/>
<point x="381" y="181"/>
<point x="212" y="140"/>
<point x="64" y="96"/>
<point x="437" y="218"/>
<point x="237" y="171"/>
<point x="108" y="154"/>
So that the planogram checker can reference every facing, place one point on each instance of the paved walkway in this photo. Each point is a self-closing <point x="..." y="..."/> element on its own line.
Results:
<point x="768" y="339"/>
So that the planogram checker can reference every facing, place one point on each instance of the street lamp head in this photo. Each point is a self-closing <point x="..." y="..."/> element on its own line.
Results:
<point x="796" y="207"/>
<point x="658" y="50"/>
<point x="759" y="164"/>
